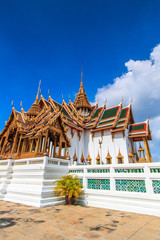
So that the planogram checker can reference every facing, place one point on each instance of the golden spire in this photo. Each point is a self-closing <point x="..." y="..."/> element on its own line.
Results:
<point x="81" y="100"/>
<point x="81" y="90"/>
<point x="37" y="97"/>
<point x="35" y="108"/>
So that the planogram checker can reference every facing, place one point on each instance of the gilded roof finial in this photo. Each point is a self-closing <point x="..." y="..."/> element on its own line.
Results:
<point x="37" y="97"/>
<point x="81" y="100"/>
<point x="69" y="99"/>
<point x="12" y="104"/>
<point x="62" y="97"/>
<point x="81" y="86"/>
<point x="97" y="101"/>
<point x="21" y="107"/>
<point x="105" y="103"/>
<point x="48" y="93"/>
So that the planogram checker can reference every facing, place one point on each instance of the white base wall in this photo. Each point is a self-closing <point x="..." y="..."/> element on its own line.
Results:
<point x="32" y="184"/>
<point x="121" y="202"/>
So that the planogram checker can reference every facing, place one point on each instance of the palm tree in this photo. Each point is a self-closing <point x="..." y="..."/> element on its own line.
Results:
<point x="70" y="187"/>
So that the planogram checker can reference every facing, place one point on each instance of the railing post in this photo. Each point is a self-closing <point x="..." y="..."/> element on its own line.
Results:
<point x="112" y="180"/>
<point x="45" y="160"/>
<point x="84" y="177"/>
<point x="148" y="181"/>
<point x="59" y="162"/>
<point x="10" y="161"/>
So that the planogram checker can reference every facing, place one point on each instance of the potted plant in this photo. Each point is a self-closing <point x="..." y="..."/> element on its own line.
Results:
<point x="70" y="187"/>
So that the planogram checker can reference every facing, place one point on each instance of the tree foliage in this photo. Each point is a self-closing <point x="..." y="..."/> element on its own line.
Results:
<point x="69" y="185"/>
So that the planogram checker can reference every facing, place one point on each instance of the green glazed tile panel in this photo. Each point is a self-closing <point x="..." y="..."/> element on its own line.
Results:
<point x="76" y="171"/>
<point x="155" y="170"/>
<point x="98" y="170"/>
<point x="131" y="185"/>
<point x="101" y="184"/>
<point x="137" y="170"/>
<point x="156" y="186"/>
<point x="81" y="181"/>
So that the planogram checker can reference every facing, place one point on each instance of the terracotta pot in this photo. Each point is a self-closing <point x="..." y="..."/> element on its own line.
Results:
<point x="70" y="201"/>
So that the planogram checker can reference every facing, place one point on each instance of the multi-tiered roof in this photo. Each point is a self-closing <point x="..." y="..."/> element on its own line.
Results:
<point x="48" y="115"/>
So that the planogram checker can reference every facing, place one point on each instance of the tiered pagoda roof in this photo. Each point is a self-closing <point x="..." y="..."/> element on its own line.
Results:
<point x="81" y="100"/>
<point x="115" y="119"/>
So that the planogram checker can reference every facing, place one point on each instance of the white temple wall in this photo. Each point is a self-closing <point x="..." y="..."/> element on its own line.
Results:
<point x="121" y="144"/>
<point x="80" y="147"/>
<point x="108" y="144"/>
<point x="97" y="138"/>
<point x="74" y="144"/>
<point x="87" y="143"/>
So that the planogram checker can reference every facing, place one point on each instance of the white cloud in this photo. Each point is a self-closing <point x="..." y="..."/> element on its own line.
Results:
<point x="142" y="83"/>
<point x="155" y="127"/>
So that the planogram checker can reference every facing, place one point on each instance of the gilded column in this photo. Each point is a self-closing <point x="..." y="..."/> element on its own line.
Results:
<point x="15" y="142"/>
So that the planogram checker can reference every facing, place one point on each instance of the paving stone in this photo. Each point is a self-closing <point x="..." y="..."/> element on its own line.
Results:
<point x="76" y="223"/>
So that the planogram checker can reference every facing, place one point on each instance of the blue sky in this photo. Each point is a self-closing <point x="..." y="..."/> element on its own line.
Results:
<point x="49" y="40"/>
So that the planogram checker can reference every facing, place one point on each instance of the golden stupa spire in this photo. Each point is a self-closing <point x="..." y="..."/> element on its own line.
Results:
<point x="35" y="108"/>
<point x="37" y="97"/>
<point x="81" y="100"/>
<point x="81" y="90"/>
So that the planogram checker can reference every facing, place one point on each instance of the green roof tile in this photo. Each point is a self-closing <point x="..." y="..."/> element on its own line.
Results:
<point x="65" y="112"/>
<point x="96" y="113"/>
<point x="123" y="113"/>
<point x="100" y="123"/>
<point x="137" y="127"/>
<point x="109" y="113"/>
<point x="121" y="121"/>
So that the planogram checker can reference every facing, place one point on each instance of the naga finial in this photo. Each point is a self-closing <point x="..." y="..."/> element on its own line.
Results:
<point x="12" y="104"/>
<point x="37" y="97"/>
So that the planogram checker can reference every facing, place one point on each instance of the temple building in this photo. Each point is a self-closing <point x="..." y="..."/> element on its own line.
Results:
<point x="76" y="131"/>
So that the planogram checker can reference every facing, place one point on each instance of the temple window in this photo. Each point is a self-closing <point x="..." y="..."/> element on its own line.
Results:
<point x="89" y="159"/>
<point x="120" y="158"/>
<point x="108" y="158"/>
<point x="82" y="158"/>
<point x="98" y="159"/>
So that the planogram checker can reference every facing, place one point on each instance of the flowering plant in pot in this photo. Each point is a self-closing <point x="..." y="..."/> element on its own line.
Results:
<point x="70" y="187"/>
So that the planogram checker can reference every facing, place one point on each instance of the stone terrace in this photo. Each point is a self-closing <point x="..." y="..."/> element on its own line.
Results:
<point x="74" y="222"/>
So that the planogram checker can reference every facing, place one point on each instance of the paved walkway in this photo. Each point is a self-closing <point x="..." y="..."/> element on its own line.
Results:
<point x="74" y="222"/>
